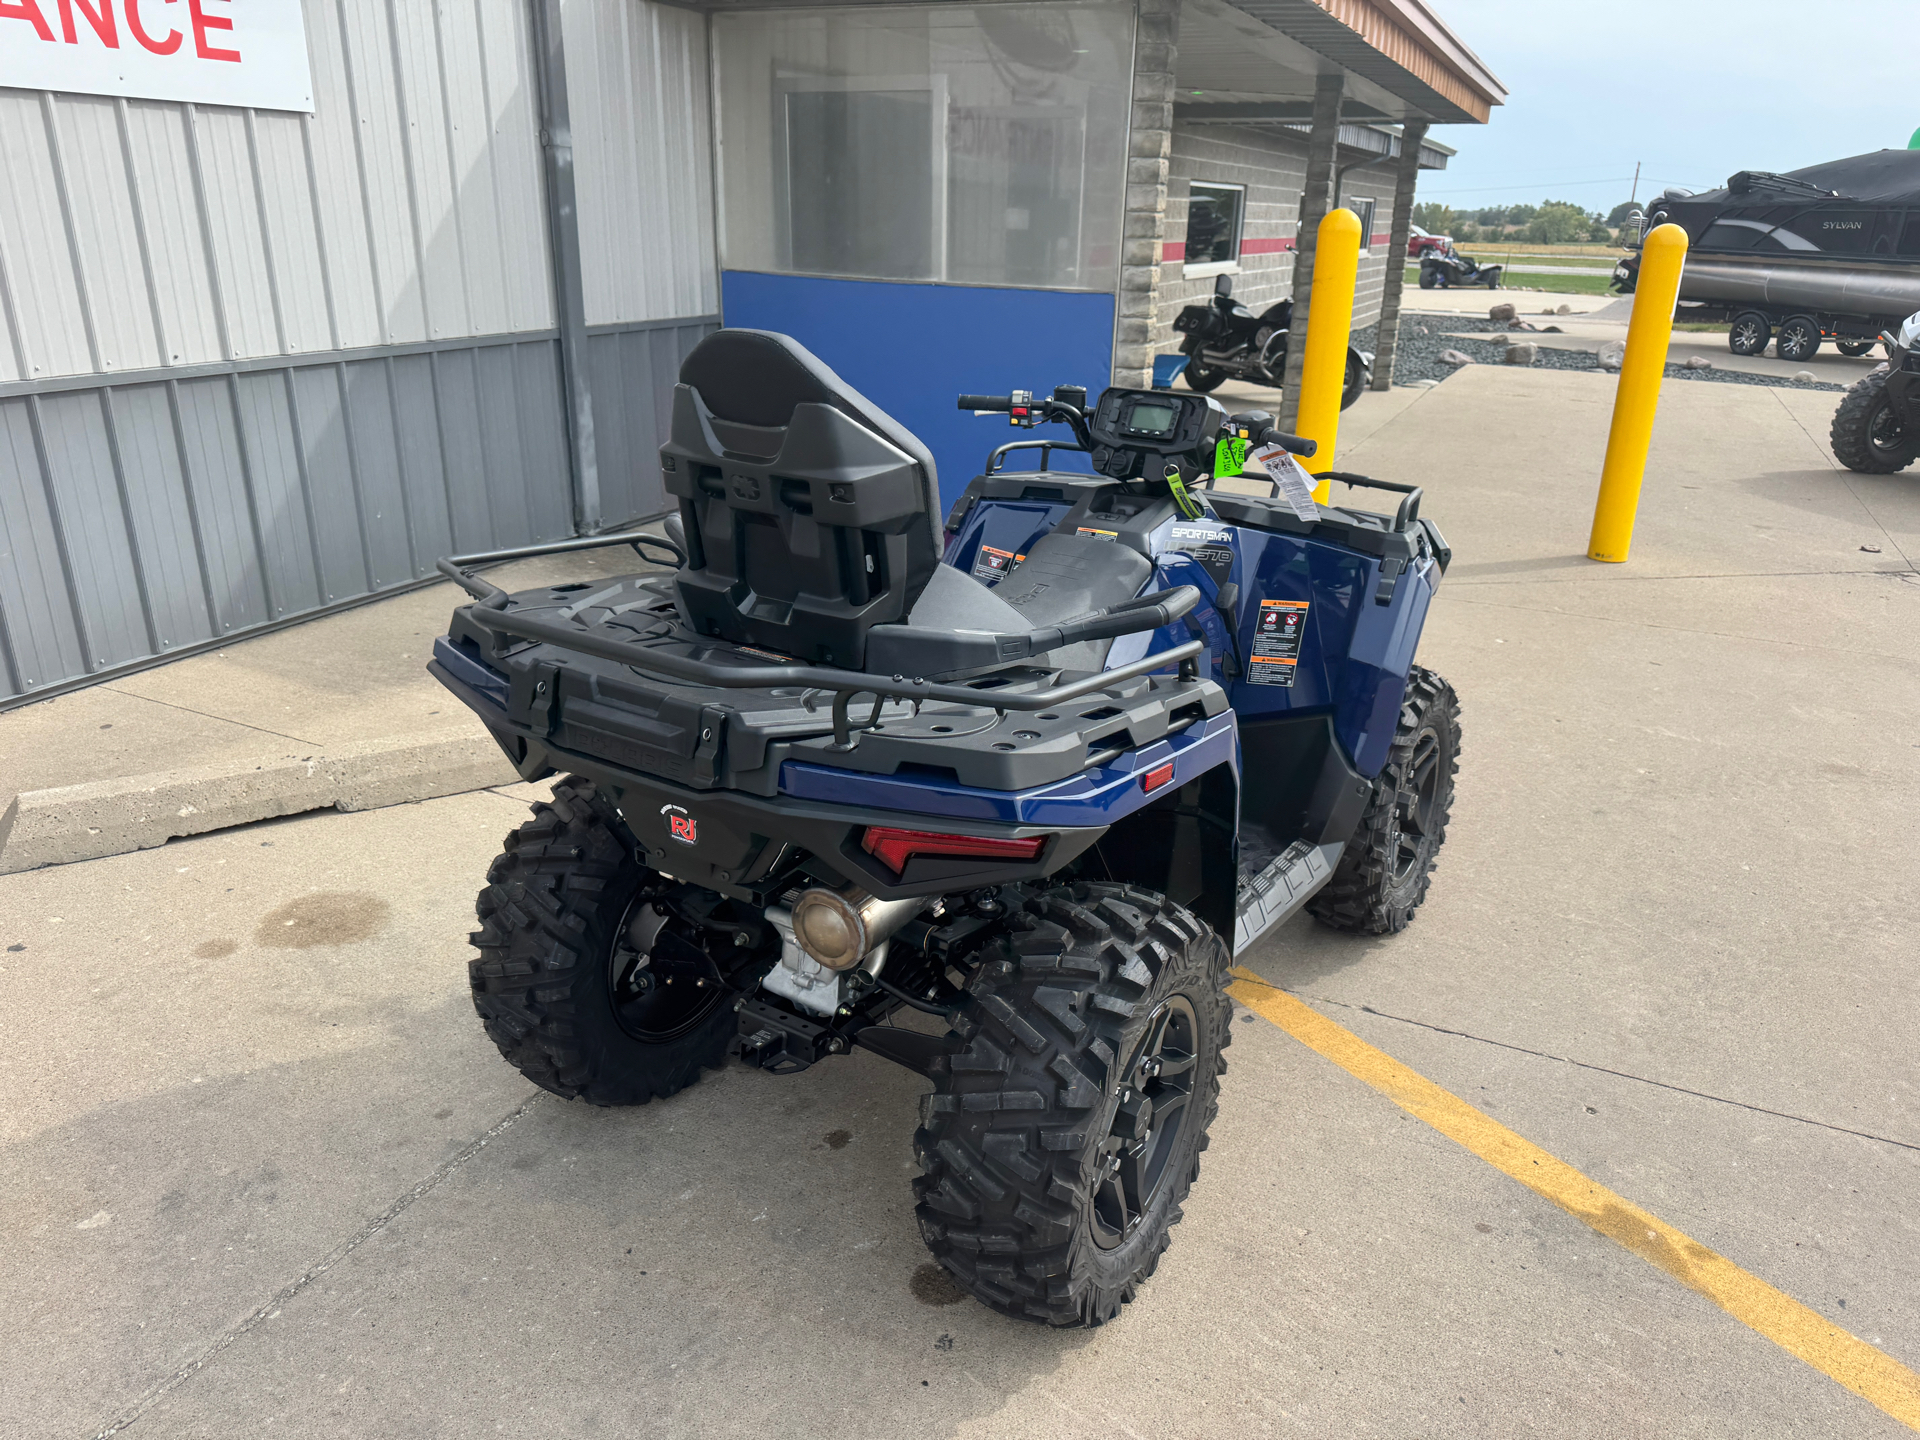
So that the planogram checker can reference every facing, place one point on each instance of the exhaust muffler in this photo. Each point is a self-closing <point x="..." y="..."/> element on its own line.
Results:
<point x="841" y="928"/>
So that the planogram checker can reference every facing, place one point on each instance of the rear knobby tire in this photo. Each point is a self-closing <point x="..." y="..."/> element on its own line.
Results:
<point x="1044" y="1075"/>
<point x="1867" y="434"/>
<point x="1383" y="874"/>
<point x="548" y="917"/>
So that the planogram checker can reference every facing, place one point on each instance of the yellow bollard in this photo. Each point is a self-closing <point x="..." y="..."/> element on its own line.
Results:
<point x="1330" y="316"/>
<point x="1637" y="391"/>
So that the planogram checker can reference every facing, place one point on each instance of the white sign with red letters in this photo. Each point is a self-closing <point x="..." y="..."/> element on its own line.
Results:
<point x="212" y="52"/>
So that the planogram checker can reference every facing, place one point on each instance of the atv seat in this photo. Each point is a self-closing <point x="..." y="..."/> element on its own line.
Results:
<point x="810" y="514"/>
<point x="811" y="521"/>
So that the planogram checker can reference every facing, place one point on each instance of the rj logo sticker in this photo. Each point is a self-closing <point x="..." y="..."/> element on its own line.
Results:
<point x="681" y="826"/>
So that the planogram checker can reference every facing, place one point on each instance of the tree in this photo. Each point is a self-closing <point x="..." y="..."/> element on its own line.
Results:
<point x="1435" y="218"/>
<point x="1599" y="232"/>
<point x="1619" y="214"/>
<point x="1519" y="214"/>
<point x="1556" y="222"/>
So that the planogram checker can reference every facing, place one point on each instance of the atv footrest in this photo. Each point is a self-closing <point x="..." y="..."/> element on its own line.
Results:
<point x="1280" y="889"/>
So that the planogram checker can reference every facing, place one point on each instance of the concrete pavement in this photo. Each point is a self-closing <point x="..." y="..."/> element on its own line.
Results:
<point x="264" y="1175"/>
<point x="333" y="712"/>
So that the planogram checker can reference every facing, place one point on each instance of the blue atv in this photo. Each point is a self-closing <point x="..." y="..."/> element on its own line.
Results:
<point x="1035" y="777"/>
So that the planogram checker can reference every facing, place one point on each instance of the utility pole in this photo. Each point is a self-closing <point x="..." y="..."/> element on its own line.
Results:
<point x="1636" y="188"/>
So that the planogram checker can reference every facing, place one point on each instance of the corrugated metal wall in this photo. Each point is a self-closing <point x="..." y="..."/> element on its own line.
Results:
<point x="637" y="82"/>
<point x="643" y="158"/>
<point x="254" y="364"/>
<point x="143" y="233"/>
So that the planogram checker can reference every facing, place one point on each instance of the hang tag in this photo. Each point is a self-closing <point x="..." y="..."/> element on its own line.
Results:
<point x="1230" y="456"/>
<point x="1184" y="501"/>
<point x="1297" y="486"/>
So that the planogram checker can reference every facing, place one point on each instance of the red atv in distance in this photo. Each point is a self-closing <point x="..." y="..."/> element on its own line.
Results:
<point x="1419" y="243"/>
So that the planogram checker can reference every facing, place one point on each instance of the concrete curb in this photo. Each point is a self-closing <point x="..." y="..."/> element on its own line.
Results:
<point x="112" y="817"/>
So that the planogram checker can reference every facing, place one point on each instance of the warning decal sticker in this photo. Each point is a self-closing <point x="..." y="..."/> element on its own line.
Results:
<point x="1277" y="642"/>
<point x="1101" y="534"/>
<point x="992" y="564"/>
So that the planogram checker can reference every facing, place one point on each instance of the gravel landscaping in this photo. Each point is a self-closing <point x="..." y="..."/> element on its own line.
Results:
<point x="1423" y="337"/>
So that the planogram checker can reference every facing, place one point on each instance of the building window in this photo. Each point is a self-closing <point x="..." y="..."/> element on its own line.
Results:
<point x="862" y="189"/>
<point x="1363" y="206"/>
<point x="966" y="144"/>
<point x="1214" y="215"/>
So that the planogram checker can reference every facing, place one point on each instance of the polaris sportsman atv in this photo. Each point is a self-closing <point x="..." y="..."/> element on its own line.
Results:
<point x="1035" y="778"/>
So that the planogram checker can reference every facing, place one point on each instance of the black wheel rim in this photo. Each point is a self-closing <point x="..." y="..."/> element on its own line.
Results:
<point x="659" y="985"/>
<point x="1132" y="1166"/>
<point x="1747" y="337"/>
<point x="1884" y="430"/>
<point x="1414" y="806"/>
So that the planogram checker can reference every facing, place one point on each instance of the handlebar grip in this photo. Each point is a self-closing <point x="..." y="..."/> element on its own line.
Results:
<point x="1297" y="444"/>
<point x="984" y="402"/>
<point x="1147" y="612"/>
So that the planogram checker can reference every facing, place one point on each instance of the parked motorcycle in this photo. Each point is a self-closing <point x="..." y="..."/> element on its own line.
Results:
<point x="1441" y="269"/>
<point x="1225" y="339"/>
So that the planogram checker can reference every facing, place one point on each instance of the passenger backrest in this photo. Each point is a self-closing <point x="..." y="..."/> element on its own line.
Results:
<point x="811" y="515"/>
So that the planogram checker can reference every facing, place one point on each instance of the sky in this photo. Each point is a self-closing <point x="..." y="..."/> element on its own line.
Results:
<point x="1692" y="89"/>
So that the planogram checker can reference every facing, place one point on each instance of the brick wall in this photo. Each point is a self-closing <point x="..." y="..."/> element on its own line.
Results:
<point x="1273" y="167"/>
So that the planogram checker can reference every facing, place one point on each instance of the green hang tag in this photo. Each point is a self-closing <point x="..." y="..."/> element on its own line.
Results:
<point x="1230" y="456"/>
<point x="1184" y="501"/>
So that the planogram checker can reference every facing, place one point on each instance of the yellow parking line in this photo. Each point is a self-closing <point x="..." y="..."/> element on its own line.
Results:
<point x="1863" y="1369"/>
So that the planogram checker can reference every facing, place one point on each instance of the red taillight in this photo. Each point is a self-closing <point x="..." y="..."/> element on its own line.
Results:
<point x="894" y="848"/>
<point x="1157" y="777"/>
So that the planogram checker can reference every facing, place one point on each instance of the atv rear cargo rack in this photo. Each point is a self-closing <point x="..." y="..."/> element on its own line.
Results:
<point x="1150" y="612"/>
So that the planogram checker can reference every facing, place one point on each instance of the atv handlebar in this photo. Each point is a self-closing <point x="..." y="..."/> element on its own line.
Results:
<point x="1294" y="444"/>
<point x="1000" y="403"/>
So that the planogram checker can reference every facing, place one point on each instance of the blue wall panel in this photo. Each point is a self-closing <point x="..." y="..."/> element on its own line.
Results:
<point x="912" y="348"/>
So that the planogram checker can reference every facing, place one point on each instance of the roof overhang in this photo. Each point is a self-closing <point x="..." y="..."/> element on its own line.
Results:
<point x="1398" y="60"/>
<point x="1364" y="139"/>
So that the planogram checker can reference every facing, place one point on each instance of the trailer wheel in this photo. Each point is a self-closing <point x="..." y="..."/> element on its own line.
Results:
<point x="1798" y="338"/>
<point x="1854" y="347"/>
<point x="1750" y="333"/>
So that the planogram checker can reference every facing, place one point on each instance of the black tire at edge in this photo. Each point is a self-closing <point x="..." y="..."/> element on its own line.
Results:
<point x="547" y="919"/>
<point x="1027" y="1094"/>
<point x="1854" y="421"/>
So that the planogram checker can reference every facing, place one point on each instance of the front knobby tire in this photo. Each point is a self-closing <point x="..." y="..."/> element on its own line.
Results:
<point x="1867" y="433"/>
<point x="1067" y="1122"/>
<point x="558" y="985"/>
<point x="1383" y="875"/>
